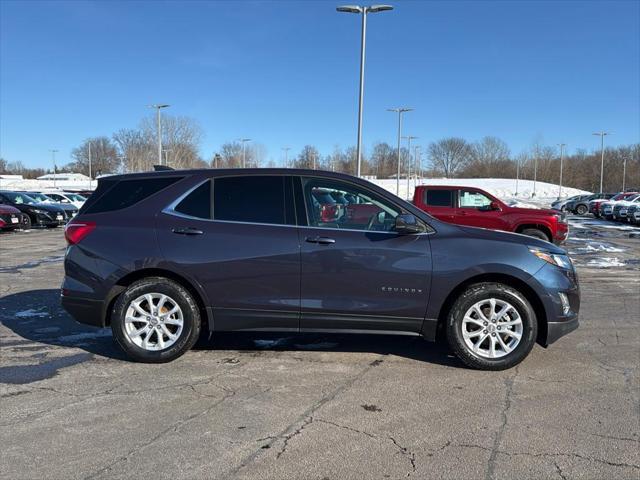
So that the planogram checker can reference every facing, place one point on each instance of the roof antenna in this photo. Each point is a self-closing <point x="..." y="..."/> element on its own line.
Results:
<point x="161" y="168"/>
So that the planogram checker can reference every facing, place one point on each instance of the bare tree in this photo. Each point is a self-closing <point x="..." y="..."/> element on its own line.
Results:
<point x="490" y="158"/>
<point x="449" y="155"/>
<point x="308" y="157"/>
<point x="137" y="151"/>
<point x="104" y="157"/>
<point x="181" y="138"/>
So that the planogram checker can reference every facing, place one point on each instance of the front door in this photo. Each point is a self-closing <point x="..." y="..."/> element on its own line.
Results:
<point x="357" y="273"/>
<point x="474" y="209"/>
<point x="236" y="237"/>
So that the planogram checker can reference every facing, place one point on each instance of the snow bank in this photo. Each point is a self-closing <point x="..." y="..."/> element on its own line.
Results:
<point x="503" y="188"/>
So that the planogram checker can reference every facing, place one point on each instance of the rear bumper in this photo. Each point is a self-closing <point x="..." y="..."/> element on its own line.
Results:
<point x="83" y="310"/>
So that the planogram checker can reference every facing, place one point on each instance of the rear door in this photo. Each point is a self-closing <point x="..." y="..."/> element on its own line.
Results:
<point x="236" y="237"/>
<point x="439" y="202"/>
<point x="357" y="273"/>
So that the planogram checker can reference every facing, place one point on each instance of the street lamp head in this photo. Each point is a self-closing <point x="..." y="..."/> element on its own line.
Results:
<point x="379" y="8"/>
<point x="349" y="9"/>
<point x="399" y="110"/>
<point x="601" y="133"/>
<point x="159" y="105"/>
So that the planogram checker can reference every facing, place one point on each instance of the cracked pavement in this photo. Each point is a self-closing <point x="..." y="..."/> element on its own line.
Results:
<point x="311" y="406"/>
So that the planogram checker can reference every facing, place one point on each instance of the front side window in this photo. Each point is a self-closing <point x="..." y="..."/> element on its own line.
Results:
<point x="250" y="199"/>
<point x="439" y="198"/>
<point x="332" y="204"/>
<point x="473" y="199"/>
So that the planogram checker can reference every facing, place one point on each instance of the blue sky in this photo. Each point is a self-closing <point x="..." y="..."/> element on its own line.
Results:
<point x="285" y="73"/>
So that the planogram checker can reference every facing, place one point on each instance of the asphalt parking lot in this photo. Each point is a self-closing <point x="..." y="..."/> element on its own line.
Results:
<point x="318" y="407"/>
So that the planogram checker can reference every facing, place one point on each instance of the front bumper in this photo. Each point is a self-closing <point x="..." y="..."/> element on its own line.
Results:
<point x="555" y="330"/>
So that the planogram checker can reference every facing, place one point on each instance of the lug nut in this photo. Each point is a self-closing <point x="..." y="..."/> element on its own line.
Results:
<point x="484" y="331"/>
<point x="499" y="328"/>
<point x="484" y="323"/>
<point x="493" y="334"/>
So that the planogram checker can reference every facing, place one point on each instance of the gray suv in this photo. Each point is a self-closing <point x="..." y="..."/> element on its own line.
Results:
<point x="163" y="257"/>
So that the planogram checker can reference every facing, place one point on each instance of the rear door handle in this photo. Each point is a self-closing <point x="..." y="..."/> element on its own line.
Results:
<point x="320" y="240"/>
<point x="187" y="231"/>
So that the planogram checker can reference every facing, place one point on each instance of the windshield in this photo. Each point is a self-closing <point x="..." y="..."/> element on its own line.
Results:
<point x="19" y="198"/>
<point x="74" y="197"/>
<point x="40" y="197"/>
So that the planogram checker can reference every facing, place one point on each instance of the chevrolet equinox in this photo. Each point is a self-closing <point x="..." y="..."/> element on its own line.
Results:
<point x="162" y="257"/>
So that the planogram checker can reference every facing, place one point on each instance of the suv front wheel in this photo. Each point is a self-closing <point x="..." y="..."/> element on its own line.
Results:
<point x="491" y="327"/>
<point x="155" y="320"/>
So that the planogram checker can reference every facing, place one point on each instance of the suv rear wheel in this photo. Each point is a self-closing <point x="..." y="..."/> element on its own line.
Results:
<point x="581" y="209"/>
<point x="491" y="327"/>
<point x="155" y="320"/>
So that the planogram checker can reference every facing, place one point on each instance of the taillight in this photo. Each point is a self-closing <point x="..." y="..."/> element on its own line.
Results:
<point x="74" y="232"/>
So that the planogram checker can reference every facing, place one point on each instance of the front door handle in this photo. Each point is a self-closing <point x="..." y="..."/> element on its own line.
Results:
<point x="187" y="231"/>
<point x="320" y="240"/>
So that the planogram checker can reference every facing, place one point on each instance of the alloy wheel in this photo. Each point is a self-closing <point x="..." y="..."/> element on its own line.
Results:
<point x="492" y="328"/>
<point x="154" y="321"/>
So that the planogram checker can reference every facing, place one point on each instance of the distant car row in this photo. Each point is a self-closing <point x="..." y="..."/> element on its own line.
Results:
<point x="47" y="208"/>
<point x="622" y="207"/>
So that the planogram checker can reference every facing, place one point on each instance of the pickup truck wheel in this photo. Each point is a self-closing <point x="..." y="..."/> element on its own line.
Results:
<point x="535" y="233"/>
<point x="491" y="327"/>
<point x="581" y="209"/>
<point x="155" y="320"/>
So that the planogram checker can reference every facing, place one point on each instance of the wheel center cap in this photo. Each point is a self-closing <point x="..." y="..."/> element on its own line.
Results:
<point x="492" y="328"/>
<point x="154" y="321"/>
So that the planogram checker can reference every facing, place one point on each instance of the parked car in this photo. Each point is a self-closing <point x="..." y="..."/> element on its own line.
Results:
<point x="247" y="250"/>
<point x="63" y="197"/>
<point x="581" y="205"/>
<point x="620" y="209"/>
<point x="561" y="203"/>
<point x="69" y="209"/>
<point x="10" y="218"/>
<point x="633" y="213"/>
<point x="606" y="208"/>
<point x="477" y="208"/>
<point x="40" y="214"/>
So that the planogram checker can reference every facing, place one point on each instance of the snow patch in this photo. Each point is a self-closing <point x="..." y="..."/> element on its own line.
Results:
<point x="31" y="313"/>
<point x="605" y="262"/>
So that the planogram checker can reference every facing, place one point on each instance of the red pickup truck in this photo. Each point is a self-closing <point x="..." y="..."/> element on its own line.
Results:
<point x="476" y="208"/>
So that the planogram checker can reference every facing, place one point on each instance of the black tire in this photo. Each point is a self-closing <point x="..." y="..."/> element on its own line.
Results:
<point x="536" y="233"/>
<point x="25" y="224"/>
<point x="191" y="319"/>
<point x="581" y="209"/>
<point x="479" y="292"/>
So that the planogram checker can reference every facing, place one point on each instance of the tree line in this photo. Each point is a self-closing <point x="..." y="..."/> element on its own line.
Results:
<point x="135" y="150"/>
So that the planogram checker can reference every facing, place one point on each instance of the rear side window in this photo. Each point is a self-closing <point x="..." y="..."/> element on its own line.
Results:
<point x="197" y="203"/>
<point x="253" y="199"/>
<point x="126" y="193"/>
<point x="439" y="198"/>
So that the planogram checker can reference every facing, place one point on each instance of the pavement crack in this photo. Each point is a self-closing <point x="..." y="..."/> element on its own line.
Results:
<point x="371" y="435"/>
<point x="491" y="464"/>
<point x="171" y="429"/>
<point x="559" y="470"/>
<point x="406" y="452"/>
<point x="288" y="437"/>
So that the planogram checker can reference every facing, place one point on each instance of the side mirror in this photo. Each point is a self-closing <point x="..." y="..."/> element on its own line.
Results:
<point x="408" y="224"/>
<point x="495" y="206"/>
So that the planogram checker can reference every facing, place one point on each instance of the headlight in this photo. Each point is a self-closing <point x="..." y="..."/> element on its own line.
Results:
<point x="561" y="217"/>
<point x="556" y="259"/>
<point x="37" y="210"/>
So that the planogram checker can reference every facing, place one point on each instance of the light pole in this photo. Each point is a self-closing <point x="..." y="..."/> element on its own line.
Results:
<point x="244" y="141"/>
<point x="517" y="174"/>
<point x="158" y="107"/>
<point x="363" y="11"/>
<point x="89" y="164"/>
<point x="399" y="111"/>
<point x="561" y="145"/>
<point x="624" y="168"/>
<point x="53" y="159"/>
<point x="409" y="138"/>
<point x="602" y="135"/>
<point x="418" y="160"/>
<point x="286" y="156"/>
<point x="166" y="155"/>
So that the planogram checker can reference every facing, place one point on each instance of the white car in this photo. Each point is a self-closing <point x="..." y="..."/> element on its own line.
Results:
<point x="621" y="207"/>
<point x="606" y="208"/>
<point x="65" y="197"/>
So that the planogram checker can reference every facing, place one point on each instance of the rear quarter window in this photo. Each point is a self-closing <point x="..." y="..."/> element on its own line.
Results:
<point x="126" y="193"/>
<point x="438" y="198"/>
